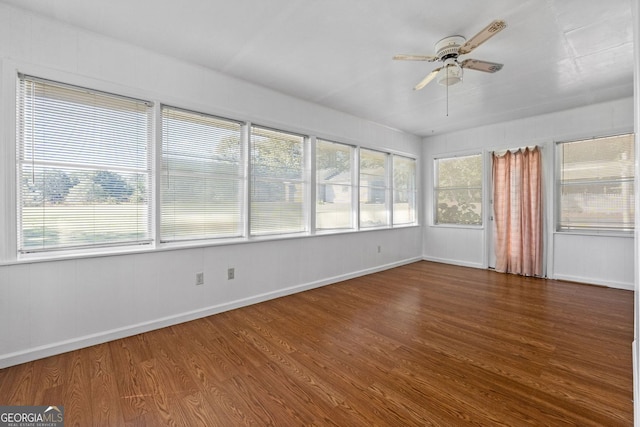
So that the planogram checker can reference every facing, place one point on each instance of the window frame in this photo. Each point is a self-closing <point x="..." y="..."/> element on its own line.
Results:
<point x="304" y="181"/>
<point x="435" y="188"/>
<point x="414" y="191"/>
<point x="240" y="176"/>
<point x="147" y="170"/>
<point x="353" y="185"/>
<point x="387" y="174"/>
<point x="558" y="183"/>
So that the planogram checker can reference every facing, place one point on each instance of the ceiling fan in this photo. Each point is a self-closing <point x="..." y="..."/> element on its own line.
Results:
<point x="449" y="49"/>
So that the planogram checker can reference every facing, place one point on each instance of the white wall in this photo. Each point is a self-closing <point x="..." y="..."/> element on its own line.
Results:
<point x="52" y="306"/>
<point x="603" y="260"/>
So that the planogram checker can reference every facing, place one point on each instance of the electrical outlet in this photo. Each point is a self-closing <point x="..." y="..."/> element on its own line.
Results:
<point x="231" y="273"/>
<point x="379" y="249"/>
<point x="199" y="279"/>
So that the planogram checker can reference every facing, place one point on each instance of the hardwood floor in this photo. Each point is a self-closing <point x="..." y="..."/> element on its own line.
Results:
<point x="423" y="344"/>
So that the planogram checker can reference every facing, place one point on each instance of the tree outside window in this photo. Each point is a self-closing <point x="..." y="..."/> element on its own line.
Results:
<point x="458" y="190"/>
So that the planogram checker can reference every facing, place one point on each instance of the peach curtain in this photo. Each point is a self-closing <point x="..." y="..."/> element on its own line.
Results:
<point x="517" y="196"/>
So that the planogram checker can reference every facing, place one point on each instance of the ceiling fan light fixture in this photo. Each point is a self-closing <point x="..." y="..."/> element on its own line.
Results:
<point x="451" y="74"/>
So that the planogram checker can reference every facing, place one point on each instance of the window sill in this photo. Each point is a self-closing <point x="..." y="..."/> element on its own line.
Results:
<point x="173" y="246"/>
<point x="595" y="233"/>
<point x="460" y="226"/>
<point x="80" y="254"/>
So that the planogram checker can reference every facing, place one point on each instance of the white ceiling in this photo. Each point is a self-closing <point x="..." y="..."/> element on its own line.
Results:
<point x="557" y="54"/>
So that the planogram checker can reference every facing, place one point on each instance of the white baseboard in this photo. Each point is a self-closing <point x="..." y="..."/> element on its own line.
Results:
<point x="60" y="347"/>
<point x="593" y="281"/>
<point x="454" y="262"/>
<point x="567" y="277"/>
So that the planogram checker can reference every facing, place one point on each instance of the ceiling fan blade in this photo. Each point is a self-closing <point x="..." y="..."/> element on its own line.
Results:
<point x="487" y="67"/>
<point x="489" y="31"/>
<point x="427" y="79"/>
<point x="405" y="57"/>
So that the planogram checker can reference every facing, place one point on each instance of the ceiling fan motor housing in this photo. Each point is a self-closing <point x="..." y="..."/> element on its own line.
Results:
<point x="447" y="52"/>
<point x="448" y="47"/>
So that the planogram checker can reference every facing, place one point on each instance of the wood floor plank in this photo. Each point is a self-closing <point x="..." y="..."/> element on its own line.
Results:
<point x="18" y="384"/>
<point x="423" y="344"/>
<point x="77" y="388"/>
<point x="105" y="400"/>
<point x="127" y="355"/>
<point x="167" y="412"/>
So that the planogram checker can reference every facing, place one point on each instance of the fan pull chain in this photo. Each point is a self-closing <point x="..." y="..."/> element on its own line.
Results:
<point x="446" y="70"/>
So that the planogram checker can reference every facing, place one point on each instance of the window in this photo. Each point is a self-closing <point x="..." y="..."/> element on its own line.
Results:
<point x="595" y="181"/>
<point x="334" y="180"/>
<point x="202" y="181"/>
<point x="83" y="165"/>
<point x="404" y="190"/>
<point x="373" y="189"/>
<point x="458" y="190"/>
<point x="278" y="182"/>
<point x="85" y="175"/>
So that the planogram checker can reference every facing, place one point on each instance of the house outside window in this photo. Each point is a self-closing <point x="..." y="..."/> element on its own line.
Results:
<point x="335" y="189"/>
<point x="374" y="189"/>
<point x="278" y="182"/>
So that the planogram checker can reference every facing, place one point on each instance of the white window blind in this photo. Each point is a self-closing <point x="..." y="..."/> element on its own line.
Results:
<point x="596" y="189"/>
<point x="334" y="181"/>
<point x="404" y="190"/>
<point x="202" y="180"/>
<point x="374" y="189"/>
<point x="278" y="182"/>
<point x="458" y="190"/>
<point x="83" y="164"/>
